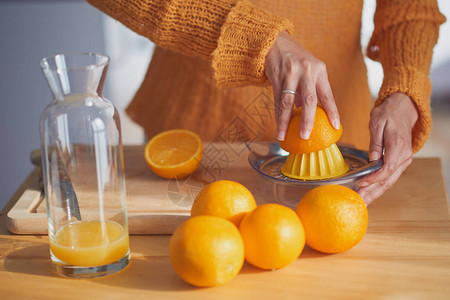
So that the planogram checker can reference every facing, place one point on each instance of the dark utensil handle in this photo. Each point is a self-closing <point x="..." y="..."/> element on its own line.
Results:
<point x="67" y="194"/>
<point x="36" y="158"/>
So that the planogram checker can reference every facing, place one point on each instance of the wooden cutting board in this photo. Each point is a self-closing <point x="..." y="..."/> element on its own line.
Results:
<point x="155" y="205"/>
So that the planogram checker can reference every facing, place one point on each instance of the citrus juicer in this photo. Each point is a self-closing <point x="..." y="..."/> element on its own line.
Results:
<point x="322" y="164"/>
<point x="268" y="160"/>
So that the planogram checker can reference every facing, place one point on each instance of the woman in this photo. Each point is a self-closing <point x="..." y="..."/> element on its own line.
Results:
<point x="216" y="60"/>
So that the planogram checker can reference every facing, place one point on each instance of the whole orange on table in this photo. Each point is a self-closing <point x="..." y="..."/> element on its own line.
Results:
<point x="224" y="198"/>
<point x="334" y="217"/>
<point x="207" y="251"/>
<point x="273" y="236"/>
<point x="174" y="153"/>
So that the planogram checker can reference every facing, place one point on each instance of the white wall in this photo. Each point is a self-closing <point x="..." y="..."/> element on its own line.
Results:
<point x="130" y="55"/>
<point x="29" y="31"/>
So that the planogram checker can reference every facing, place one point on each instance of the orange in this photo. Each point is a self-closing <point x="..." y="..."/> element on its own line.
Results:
<point x="224" y="198"/>
<point x="334" y="217"/>
<point x="206" y="251"/>
<point x="322" y="136"/>
<point x="174" y="153"/>
<point x="273" y="236"/>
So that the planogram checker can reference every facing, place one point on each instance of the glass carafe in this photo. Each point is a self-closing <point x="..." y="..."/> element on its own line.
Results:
<point x="83" y="169"/>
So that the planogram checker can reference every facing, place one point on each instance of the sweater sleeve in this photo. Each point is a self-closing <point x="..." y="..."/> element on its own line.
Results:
<point x="234" y="36"/>
<point x="403" y="40"/>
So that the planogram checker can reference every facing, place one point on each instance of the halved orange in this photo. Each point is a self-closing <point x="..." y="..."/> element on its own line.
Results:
<point x="174" y="153"/>
<point x="323" y="135"/>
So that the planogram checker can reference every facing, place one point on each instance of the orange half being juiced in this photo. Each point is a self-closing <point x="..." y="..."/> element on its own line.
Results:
<point x="317" y="157"/>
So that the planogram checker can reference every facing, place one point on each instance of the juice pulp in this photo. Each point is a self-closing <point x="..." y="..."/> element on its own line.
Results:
<point x="90" y="243"/>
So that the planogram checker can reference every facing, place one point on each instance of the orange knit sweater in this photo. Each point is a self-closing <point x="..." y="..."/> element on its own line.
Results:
<point x="206" y="44"/>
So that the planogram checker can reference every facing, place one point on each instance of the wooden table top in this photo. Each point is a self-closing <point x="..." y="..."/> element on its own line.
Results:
<point x="404" y="255"/>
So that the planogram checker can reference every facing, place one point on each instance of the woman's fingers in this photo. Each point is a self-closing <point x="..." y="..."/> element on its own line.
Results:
<point x="375" y="149"/>
<point x="374" y="191"/>
<point x="288" y="93"/>
<point x="326" y="98"/>
<point x="394" y="157"/>
<point x="309" y="104"/>
<point x="276" y="88"/>
<point x="397" y="158"/>
<point x="390" y="128"/>
<point x="284" y="113"/>
<point x="376" y="127"/>
<point x="290" y="67"/>
<point x="396" y="140"/>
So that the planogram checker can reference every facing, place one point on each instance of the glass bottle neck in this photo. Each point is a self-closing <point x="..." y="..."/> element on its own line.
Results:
<point x="75" y="74"/>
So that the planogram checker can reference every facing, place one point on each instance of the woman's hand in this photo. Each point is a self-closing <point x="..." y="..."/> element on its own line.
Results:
<point x="291" y="67"/>
<point x="391" y="125"/>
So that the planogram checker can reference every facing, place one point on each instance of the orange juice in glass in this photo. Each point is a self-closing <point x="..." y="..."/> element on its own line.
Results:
<point x="90" y="243"/>
<point x="83" y="169"/>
